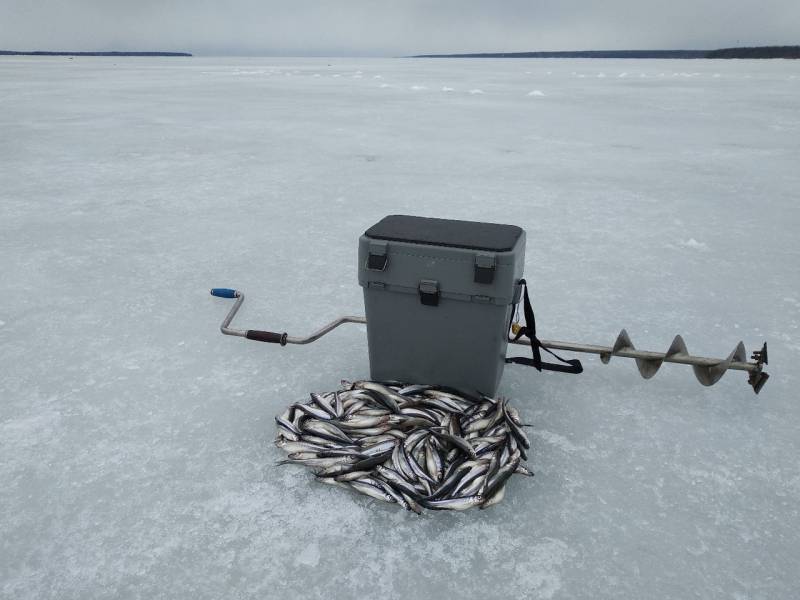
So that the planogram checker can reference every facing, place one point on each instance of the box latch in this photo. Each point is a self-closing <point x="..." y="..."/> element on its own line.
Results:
<point x="378" y="257"/>
<point x="484" y="268"/>
<point x="429" y="292"/>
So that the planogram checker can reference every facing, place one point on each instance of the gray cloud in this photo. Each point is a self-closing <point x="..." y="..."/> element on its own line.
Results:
<point x="362" y="27"/>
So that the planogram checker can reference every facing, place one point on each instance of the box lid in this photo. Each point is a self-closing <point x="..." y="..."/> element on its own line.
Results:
<point x="470" y="235"/>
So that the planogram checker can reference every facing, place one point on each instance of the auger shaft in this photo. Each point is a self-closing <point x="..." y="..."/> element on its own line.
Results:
<point x="701" y="361"/>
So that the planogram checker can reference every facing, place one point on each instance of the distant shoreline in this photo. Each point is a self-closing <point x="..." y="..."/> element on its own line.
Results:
<point x="792" y="52"/>
<point x="114" y="53"/>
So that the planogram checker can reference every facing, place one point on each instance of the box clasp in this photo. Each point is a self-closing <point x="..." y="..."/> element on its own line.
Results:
<point x="484" y="268"/>
<point x="378" y="256"/>
<point x="429" y="292"/>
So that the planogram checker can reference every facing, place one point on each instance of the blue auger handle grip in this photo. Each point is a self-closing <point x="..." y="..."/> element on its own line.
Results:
<point x="223" y="292"/>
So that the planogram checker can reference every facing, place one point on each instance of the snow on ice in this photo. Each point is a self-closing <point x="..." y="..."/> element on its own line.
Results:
<point x="136" y="440"/>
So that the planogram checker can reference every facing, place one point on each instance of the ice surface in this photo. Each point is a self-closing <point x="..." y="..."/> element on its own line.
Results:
<point x="135" y="441"/>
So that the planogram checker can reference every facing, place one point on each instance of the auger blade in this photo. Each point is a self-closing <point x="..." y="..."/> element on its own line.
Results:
<point x="647" y="366"/>
<point x="708" y="371"/>
<point x="677" y="347"/>
<point x="712" y="374"/>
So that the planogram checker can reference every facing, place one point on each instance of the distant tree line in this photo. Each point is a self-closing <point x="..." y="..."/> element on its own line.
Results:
<point x="46" y="53"/>
<point x="756" y="52"/>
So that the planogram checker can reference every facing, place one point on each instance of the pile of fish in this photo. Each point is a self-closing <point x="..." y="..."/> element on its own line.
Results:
<point x="419" y="446"/>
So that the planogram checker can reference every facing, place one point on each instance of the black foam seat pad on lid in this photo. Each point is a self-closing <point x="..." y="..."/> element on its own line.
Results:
<point x="472" y="235"/>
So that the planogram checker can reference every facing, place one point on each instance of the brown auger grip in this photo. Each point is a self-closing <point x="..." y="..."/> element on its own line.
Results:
<point x="266" y="336"/>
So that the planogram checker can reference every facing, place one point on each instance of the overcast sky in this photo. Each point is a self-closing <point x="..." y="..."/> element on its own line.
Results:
<point x="399" y="27"/>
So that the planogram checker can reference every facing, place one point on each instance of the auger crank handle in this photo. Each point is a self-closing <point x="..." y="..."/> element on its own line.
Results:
<point x="271" y="337"/>
<point x="267" y="336"/>
<point x="251" y="334"/>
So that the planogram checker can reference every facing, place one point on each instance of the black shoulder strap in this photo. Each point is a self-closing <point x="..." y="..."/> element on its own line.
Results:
<point x="529" y="330"/>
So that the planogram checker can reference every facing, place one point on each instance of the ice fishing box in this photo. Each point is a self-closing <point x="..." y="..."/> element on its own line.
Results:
<point x="438" y="295"/>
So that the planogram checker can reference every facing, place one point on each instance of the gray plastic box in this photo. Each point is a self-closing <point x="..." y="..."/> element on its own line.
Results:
<point x="438" y="295"/>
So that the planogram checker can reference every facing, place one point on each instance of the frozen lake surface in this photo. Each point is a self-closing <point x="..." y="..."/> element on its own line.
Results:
<point x="136" y="455"/>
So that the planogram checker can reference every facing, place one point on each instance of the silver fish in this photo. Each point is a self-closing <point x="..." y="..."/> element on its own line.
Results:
<point x="371" y="440"/>
<point x="359" y="422"/>
<point x="414" y="438"/>
<point x="413" y="505"/>
<point x="476" y="486"/>
<point x="427" y="447"/>
<point x="326" y="430"/>
<point x="469" y="477"/>
<point x="517" y="431"/>
<point x="287" y="430"/>
<point x="323" y="404"/>
<point x="290" y="447"/>
<point x="322" y="463"/>
<point x="457" y="441"/>
<point x="433" y="462"/>
<point x="391" y="398"/>
<point x="374" y="412"/>
<point x="503" y="473"/>
<point x="354" y="406"/>
<point x="348" y="476"/>
<point x="495" y="498"/>
<point x="380" y="447"/>
<point x="398" y="497"/>
<point x="455" y="503"/>
<point x="313" y="411"/>
<point x="366" y="488"/>
<point x="523" y="470"/>
<point x="321" y="441"/>
<point x="412" y="389"/>
<point x="397" y="480"/>
<point x="338" y="406"/>
<point x="400" y="463"/>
